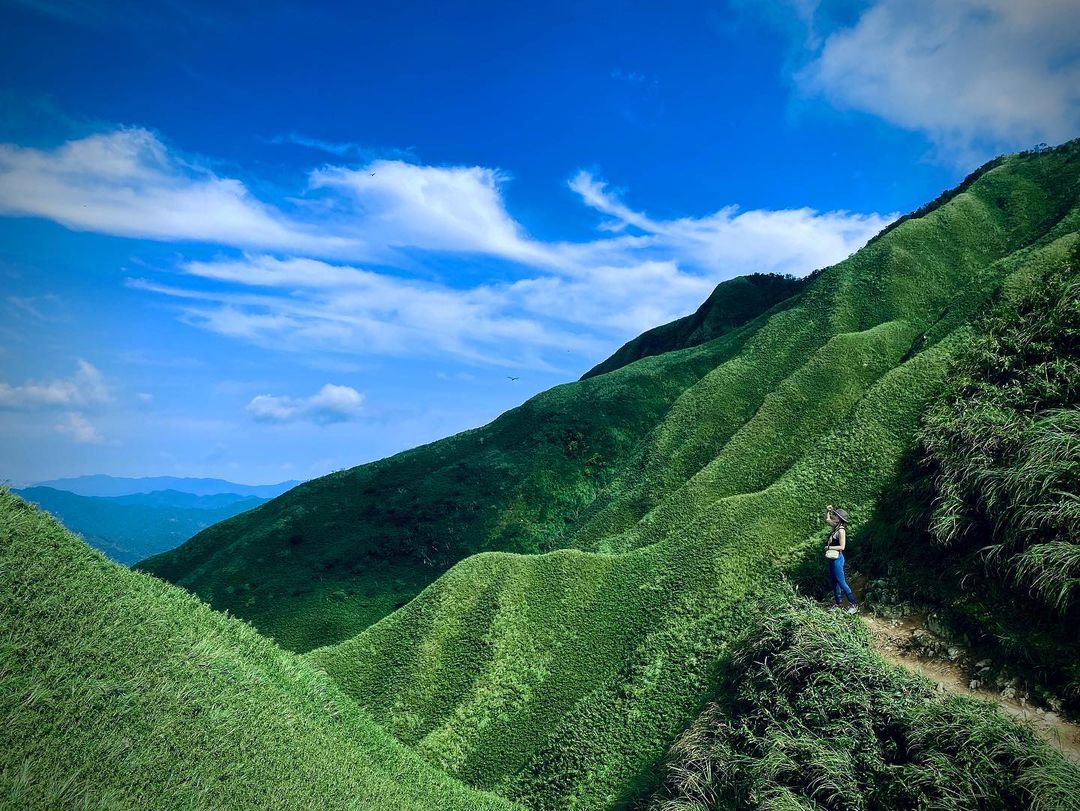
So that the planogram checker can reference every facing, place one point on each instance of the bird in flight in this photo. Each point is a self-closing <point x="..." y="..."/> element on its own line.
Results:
<point x="373" y="174"/>
<point x="511" y="379"/>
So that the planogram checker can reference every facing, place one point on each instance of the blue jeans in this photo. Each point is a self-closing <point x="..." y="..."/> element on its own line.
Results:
<point x="836" y="568"/>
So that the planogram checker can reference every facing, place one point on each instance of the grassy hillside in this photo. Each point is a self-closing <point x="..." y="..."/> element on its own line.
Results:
<point x="120" y="691"/>
<point x="130" y="528"/>
<point x="561" y="679"/>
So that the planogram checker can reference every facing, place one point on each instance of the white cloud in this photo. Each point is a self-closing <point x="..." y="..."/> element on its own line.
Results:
<point x="79" y="429"/>
<point x="127" y="183"/>
<point x="85" y="387"/>
<point x="728" y="242"/>
<point x="305" y="304"/>
<point x="977" y="76"/>
<point x="331" y="404"/>
<point x="434" y="208"/>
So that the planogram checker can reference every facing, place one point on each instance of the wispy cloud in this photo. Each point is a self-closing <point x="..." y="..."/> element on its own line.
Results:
<point x="341" y="149"/>
<point x="305" y="304"/>
<point x="76" y="426"/>
<point x="85" y="387"/>
<point x="34" y="307"/>
<point x="977" y="76"/>
<point x="127" y="183"/>
<point x="631" y="77"/>
<point x="729" y="241"/>
<point x="331" y="404"/>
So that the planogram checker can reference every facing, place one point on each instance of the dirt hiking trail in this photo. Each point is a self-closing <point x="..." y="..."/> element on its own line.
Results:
<point x="897" y="640"/>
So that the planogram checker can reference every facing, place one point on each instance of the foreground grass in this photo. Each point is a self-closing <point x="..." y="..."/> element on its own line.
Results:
<point x="807" y="717"/>
<point x="120" y="691"/>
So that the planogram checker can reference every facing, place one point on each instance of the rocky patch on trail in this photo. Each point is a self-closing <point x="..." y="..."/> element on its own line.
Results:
<point x="908" y="630"/>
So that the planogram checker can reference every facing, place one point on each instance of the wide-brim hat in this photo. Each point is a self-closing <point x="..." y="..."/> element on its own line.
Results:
<point x="842" y="515"/>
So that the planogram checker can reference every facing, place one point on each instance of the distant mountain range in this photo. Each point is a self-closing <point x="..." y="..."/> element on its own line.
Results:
<point x="130" y="519"/>
<point x="108" y="486"/>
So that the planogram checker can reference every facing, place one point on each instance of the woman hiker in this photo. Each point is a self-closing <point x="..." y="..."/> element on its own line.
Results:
<point x="834" y="557"/>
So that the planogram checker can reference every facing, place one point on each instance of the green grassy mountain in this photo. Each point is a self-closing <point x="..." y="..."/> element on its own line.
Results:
<point x="132" y="527"/>
<point x="732" y="304"/>
<point x="120" y="691"/>
<point x="670" y="494"/>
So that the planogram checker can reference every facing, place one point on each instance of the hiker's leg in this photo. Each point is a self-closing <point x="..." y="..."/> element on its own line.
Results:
<point x="835" y="581"/>
<point x="841" y="582"/>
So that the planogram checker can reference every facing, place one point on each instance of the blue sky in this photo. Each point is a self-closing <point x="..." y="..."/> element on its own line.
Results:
<point x="269" y="241"/>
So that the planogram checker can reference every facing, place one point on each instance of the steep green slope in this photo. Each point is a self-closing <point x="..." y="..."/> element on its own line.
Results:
<point x="930" y="272"/>
<point x="130" y="528"/>
<point x="559" y="680"/>
<point x="120" y="691"/>
<point x="732" y="304"/>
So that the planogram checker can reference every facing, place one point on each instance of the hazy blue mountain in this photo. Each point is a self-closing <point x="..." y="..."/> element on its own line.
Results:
<point x="132" y="527"/>
<point x="176" y="498"/>
<point x="101" y="485"/>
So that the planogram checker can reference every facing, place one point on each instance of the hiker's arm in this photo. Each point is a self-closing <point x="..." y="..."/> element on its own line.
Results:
<point x="842" y="539"/>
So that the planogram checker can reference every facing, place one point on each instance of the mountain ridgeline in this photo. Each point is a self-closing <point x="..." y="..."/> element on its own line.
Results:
<point x="131" y="527"/>
<point x="583" y="604"/>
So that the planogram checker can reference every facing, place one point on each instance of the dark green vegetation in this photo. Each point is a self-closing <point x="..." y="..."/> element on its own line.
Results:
<point x="667" y="496"/>
<point x="990" y="499"/>
<point x="732" y="304"/>
<point x="132" y="527"/>
<point x="808" y="718"/>
<point x="671" y="490"/>
<point x="120" y="691"/>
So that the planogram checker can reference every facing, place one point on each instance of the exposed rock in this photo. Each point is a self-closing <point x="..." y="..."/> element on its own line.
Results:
<point x="936" y="624"/>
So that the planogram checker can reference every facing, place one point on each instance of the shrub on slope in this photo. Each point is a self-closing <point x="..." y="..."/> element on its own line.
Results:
<point x="120" y="691"/>
<point x="1003" y="445"/>
<point x="807" y="717"/>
